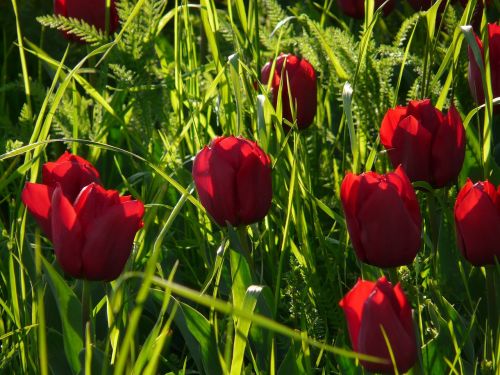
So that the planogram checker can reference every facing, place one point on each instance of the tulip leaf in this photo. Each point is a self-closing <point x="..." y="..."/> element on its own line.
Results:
<point x="243" y="328"/>
<point x="199" y="336"/>
<point x="70" y="311"/>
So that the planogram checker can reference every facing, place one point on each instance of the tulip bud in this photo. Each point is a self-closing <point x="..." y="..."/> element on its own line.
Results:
<point x="233" y="179"/>
<point x="477" y="222"/>
<point x="383" y="217"/>
<point x="429" y="145"/>
<point x="369" y="307"/>
<point x="71" y="172"/>
<point x="356" y="8"/>
<point x="475" y="79"/>
<point x="301" y="76"/>
<point x="92" y="12"/>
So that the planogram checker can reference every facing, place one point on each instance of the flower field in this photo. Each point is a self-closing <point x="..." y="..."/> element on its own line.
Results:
<point x="250" y="187"/>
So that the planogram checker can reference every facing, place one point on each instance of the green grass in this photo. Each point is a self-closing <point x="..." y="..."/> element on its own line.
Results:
<point x="196" y="298"/>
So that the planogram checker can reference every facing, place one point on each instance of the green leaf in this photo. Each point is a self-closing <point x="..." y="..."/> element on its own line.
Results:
<point x="70" y="311"/>
<point x="199" y="337"/>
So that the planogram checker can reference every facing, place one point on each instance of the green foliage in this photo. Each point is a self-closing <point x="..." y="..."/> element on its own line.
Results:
<point x="194" y="297"/>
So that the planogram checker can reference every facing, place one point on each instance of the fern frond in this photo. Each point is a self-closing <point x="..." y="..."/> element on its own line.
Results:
<point x="76" y="27"/>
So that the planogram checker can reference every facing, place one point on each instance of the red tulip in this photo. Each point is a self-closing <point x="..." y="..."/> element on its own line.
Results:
<point x="71" y="172"/>
<point x="477" y="221"/>
<point x="82" y="234"/>
<point x="301" y="76"/>
<point x="92" y="12"/>
<point x="356" y="8"/>
<point x="383" y="217"/>
<point x="78" y="215"/>
<point x="369" y="307"/>
<point x="233" y="179"/>
<point x="475" y="79"/>
<point x="429" y="145"/>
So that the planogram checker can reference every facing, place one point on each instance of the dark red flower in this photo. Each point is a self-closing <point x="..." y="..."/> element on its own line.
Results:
<point x="92" y="229"/>
<point x="383" y="217"/>
<point x="477" y="221"/>
<point x="92" y="12"/>
<point x="475" y="79"/>
<point x="71" y="172"/>
<point x="429" y="145"/>
<point x="356" y="8"/>
<point x="233" y="179"/>
<point x="301" y="76"/>
<point x="369" y="307"/>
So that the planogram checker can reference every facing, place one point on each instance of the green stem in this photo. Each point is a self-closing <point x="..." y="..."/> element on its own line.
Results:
<point x="85" y="306"/>
<point x="492" y="308"/>
<point x="245" y="245"/>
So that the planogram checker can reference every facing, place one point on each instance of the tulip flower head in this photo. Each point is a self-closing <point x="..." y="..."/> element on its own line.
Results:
<point x="356" y="8"/>
<point x="92" y="229"/>
<point x="475" y="79"/>
<point x="233" y="179"/>
<point x="383" y="217"/>
<point x="429" y="145"/>
<point x="368" y="307"/>
<point x="477" y="222"/>
<point x="297" y="77"/>
<point x="92" y="12"/>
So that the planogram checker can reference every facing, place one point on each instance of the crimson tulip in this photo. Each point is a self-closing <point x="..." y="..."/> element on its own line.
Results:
<point x="429" y="145"/>
<point x="475" y="79"/>
<point x="356" y="8"/>
<point x="298" y="75"/>
<point x="477" y="221"/>
<point x="233" y="179"/>
<point x="369" y="307"/>
<point x="78" y="215"/>
<point x="92" y="12"/>
<point x="383" y="217"/>
<point x="71" y="172"/>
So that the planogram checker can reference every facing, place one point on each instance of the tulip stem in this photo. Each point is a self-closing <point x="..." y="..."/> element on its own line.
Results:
<point x="245" y="248"/>
<point x="85" y="306"/>
<point x="492" y="307"/>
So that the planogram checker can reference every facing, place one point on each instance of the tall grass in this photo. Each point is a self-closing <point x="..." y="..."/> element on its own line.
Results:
<point x="194" y="297"/>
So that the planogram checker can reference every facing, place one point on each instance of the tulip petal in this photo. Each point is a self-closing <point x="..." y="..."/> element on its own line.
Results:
<point x="215" y="182"/>
<point x="109" y="240"/>
<point x="426" y="114"/>
<point x="448" y="150"/>
<point x="303" y="88"/>
<point x="411" y="148"/>
<point x="37" y="199"/>
<point x="478" y="226"/>
<point x="378" y="312"/>
<point x="494" y="47"/>
<point x="352" y="304"/>
<point x="389" y="125"/>
<point x="388" y="234"/>
<point x="72" y="172"/>
<point x="254" y="189"/>
<point x="404" y="310"/>
<point x="349" y="191"/>
<point x="67" y="235"/>
<point x="403" y="186"/>
<point x="92" y="201"/>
